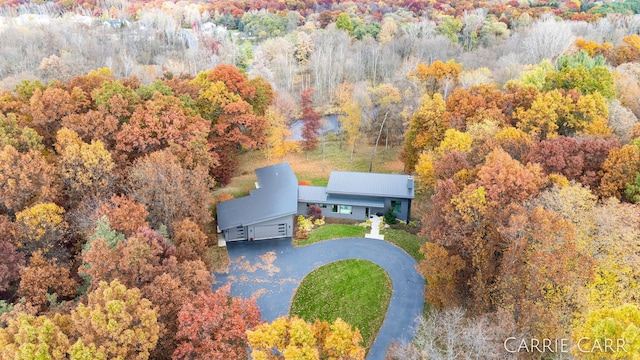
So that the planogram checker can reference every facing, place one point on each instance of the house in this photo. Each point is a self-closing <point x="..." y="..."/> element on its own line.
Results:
<point x="267" y="212"/>
<point x="357" y="195"/>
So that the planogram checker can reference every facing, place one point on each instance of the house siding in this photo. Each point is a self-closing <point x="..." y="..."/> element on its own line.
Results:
<point x="404" y="208"/>
<point x="359" y="212"/>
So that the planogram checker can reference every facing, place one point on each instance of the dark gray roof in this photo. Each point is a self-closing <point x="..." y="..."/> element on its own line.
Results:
<point x="318" y="195"/>
<point x="312" y="194"/>
<point x="370" y="184"/>
<point x="276" y="197"/>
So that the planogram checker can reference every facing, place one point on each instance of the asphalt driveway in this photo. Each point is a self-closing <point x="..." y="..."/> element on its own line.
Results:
<point x="270" y="271"/>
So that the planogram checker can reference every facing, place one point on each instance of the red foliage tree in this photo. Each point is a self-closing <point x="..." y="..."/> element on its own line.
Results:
<point x="213" y="326"/>
<point x="11" y="262"/>
<point x="315" y="212"/>
<point x="311" y="127"/>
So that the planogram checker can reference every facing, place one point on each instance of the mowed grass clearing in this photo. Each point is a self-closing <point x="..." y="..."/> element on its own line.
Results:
<point x="316" y="168"/>
<point x="332" y="231"/>
<point x="357" y="291"/>
<point x="408" y="242"/>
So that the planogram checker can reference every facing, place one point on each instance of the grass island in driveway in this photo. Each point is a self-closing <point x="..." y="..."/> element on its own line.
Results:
<point x="357" y="291"/>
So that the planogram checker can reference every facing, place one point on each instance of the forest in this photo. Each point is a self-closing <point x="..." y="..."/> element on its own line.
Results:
<point x="119" y="119"/>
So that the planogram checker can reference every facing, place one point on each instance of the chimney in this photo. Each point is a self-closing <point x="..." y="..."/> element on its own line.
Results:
<point x="410" y="182"/>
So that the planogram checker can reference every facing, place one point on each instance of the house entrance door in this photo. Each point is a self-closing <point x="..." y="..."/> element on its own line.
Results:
<point x="366" y="212"/>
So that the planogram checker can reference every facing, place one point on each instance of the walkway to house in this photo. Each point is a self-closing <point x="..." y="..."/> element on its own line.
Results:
<point x="375" y="228"/>
<point x="271" y="270"/>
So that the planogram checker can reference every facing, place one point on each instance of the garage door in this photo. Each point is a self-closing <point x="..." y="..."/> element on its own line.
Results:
<point x="270" y="231"/>
<point x="234" y="234"/>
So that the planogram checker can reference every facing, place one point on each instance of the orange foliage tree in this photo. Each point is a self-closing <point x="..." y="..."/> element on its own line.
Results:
<point x="214" y="326"/>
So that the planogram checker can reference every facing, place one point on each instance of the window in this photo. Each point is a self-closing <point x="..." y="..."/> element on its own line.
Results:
<point x="396" y="206"/>
<point x="342" y="209"/>
<point x="345" y="209"/>
<point x="324" y="206"/>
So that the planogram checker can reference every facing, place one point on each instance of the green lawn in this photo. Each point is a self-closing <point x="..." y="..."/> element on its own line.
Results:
<point x="357" y="291"/>
<point x="332" y="231"/>
<point x="408" y="242"/>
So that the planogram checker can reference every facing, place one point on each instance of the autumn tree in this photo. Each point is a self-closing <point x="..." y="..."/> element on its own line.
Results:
<point x="350" y="123"/>
<point x="515" y="142"/>
<point x="124" y="213"/>
<point x="168" y="293"/>
<point x="474" y="105"/>
<point x="214" y="326"/>
<point x="581" y="72"/>
<point x="546" y="112"/>
<point x="116" y="99"/>
<point x="31" y="337"/>
<point x="94" y="125"/>
<point x="311" y="121"/>
<point x="442" y="274"/>
<point x="25" y="179"/>
<point x="619" y="169"/>
<point x="190" y="241"/>
<point x="263" y="95"/>
<point x="22" y="138"/>
<point x="451" y="166"/>
<point x="11" y="262"/>
<point x="135" y="262"/>
<point x="426" y="130"/>
<point x="42" y="278"/>
<point x="42" y="227"/>
<point x="169" y="192"/>
<point x="293" y="338"/>
<point x="147" y="261"/>
<point x="506" y="180"/>
<point x="278" y="135"/>
<point x="160" y="123"/>
<point x="48" y="107"/>
<point x="225" y="100"/>
<point x="609" y="323"/>
<point x="543" y="272"/>
<point x="438" y="77"/>
<point x="616" y="232"/>
<point x="119" y="322"/>
<point x="85" y="169"/>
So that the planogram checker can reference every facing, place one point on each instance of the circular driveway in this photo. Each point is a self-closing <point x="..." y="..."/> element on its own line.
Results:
<point x="271" y="270"/>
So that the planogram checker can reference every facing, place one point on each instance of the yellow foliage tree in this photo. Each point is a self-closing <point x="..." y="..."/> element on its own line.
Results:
<point x="547" y="110"/>
<point x="350" y="121"/>
<point x="425" y="171"/>
<point x="609" y="333"/>
<point x="28" y="337"/>
<point x="41" y="227"/>
<point x="426" y="129"/>
<point x="86" y="169"/>
<point x="278" y="135"/>
<point x="117" y="322"/>
<point x="455" y="140"/>
<point x="591" y="116"/>
<point x="293" y="338"/>
<point x="439" y="76"/>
